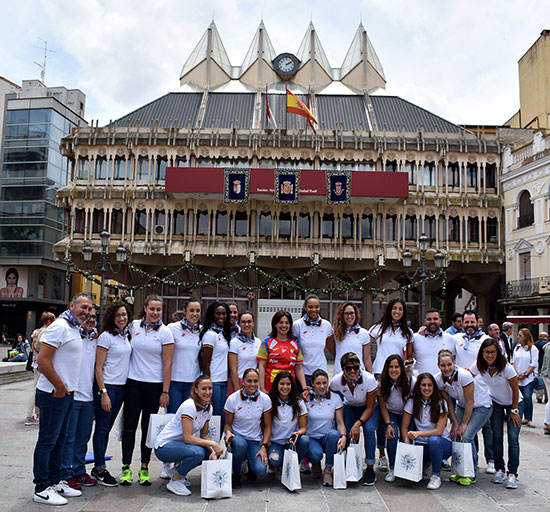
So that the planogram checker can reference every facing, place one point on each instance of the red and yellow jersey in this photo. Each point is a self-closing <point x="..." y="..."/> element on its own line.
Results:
<point x="280" y="356"/>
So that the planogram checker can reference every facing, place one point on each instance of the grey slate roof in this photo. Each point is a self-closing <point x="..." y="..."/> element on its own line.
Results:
<point x="344" y="112"/>
<point x="229" y="110"/>
<point x="277" y="104"/>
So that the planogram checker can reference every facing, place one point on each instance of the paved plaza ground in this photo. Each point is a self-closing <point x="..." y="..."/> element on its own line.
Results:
<point x="17" y="443"/>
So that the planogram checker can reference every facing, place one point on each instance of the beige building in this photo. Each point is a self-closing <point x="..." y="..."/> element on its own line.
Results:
<point x="155" y="180"/>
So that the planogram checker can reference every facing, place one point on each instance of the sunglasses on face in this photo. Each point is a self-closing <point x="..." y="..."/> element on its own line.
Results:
<point x="353" y="368"/>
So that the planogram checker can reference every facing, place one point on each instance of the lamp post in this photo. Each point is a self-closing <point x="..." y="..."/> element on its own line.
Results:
<point x="439" y="262"/>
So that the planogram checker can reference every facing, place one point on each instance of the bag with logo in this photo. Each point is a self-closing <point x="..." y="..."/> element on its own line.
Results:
<point x="290" y="476"/>
<point x="216" y="478"/>
<point x="156" y="423"/>
<point x="408" y="461"/>
<point x="462" y="463"/>
<point x="354" y="462"/>
<point x="339" y="471"/>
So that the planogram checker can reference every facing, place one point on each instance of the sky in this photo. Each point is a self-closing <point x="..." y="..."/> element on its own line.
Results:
<point x="458" y="59"/>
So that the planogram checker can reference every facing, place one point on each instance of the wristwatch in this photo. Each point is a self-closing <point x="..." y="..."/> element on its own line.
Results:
<point x="101" y="391"/>
<point x="514" y="411"/>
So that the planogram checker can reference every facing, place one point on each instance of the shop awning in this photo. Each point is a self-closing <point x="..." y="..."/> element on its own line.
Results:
<point x="529" y="319"/>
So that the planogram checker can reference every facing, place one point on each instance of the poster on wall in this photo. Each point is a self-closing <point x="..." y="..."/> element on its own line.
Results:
<point x="13" y="282"/>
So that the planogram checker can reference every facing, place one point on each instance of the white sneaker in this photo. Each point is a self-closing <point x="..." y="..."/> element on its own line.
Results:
<point x="490" y="468"/>
<point x="167" y="471"/>
<point x="434" y="483"/>
<point x="178" y="487"/>
<point x="64" y="489"/>
<point x="383" y="463"/>
<point x="49" y="497"/>
<point x="390" y="477"/>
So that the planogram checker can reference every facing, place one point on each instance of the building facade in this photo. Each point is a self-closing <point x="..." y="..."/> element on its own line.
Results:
<point x="155" y="180"/>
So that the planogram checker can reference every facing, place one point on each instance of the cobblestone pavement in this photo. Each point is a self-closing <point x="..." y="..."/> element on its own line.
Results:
<point x="17" y="443"/>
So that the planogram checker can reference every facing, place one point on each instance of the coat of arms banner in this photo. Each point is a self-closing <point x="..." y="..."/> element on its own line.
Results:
<point x="287" y="186"/>
<point x="338" y="187"/>
<point x="236" y="185"/>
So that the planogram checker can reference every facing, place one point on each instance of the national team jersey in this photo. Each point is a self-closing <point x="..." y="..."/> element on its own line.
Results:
<point x="280" y="356"/>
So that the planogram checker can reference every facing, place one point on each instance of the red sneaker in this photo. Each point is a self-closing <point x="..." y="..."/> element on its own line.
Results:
<point x="73" y="484"/>
<point x="85" y="480"/>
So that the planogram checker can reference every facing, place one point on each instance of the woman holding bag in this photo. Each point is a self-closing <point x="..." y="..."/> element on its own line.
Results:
<point x="525" y="361"/>
<point x="178" y="441"/>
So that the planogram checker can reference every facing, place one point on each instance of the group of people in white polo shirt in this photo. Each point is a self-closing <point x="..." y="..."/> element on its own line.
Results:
<point x="426" y="387"/>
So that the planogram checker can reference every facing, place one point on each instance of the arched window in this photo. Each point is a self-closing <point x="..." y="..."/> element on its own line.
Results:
<point x="285" y="224"/>
<point x="97" y="221"/>
<point x="79" y="220"/>
<point x="391" y="228"/>
<point x="304" y="225"/>
<point x="241" y="223"/>
<point x="471" y="172"/>
<point x="491" y="175"/>
<point x="178" y="222"/>
<point x="473" y="229"/>
<point x="454" y="229"/>
<point x="526" y="211"/>
<point x="492" y="230"/>
<point x="367" y="228"/>
<point x="266" y="223"/>
<point x="328" y="225"/>
<point x="429" y="227"/>
<point x="221" y="223"/>
<point x="140" y="222"/>
<point x="411" y="227"/>
<point x="116" y="222"/>
<point x="100" y="168"/>
<point x="202" y="222"/>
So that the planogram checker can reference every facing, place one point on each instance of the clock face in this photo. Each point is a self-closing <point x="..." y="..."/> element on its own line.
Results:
<point x="286" y="65"/>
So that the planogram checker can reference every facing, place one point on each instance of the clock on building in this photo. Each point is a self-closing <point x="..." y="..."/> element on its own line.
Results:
<point x="286" y="65"/>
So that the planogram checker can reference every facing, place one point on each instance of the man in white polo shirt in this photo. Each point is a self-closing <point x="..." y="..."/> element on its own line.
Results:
<point x="59" y="365"/>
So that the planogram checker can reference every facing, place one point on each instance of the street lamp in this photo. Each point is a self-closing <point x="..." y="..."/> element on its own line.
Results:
<point x="103" y="264"/>
<point x="439" y="262"/>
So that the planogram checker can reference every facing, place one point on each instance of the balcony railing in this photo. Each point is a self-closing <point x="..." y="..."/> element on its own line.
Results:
<point x="527" y="287"/>
<point x="526" y="220"/>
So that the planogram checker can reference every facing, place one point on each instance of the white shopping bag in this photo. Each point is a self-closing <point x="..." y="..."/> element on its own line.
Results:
<point x="156" y="423"/>
<point x="462" y="463"/>
<point x="216" y="478"/>
<point x="119" y="425"/>
<point x="354" y="462"/>
<point x="339" y="471"/>
<point x="290" y="476"/>
<point x="214" y="428"/>
<point x="408" y="461"/>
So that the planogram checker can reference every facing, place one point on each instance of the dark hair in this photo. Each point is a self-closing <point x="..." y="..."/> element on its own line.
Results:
<point x="307" y="299"/>
<point x="12" y="270"/>
<point x="403" y="381"/>
<point x="292" y="397"/>
<point x="500" y="361"/>
<point x="246" y="312"/>
<point x="437" y="402"/>
<point x="109" y="316"/>
<point x="386" y="320"/>
<point x="248" y="370"/>
<point x="339" y="324"/>
<point x="209" y="320"/>
<point x="194" y="387"/>
<point x="189" y="301"/>
<point x="455" y="316"/>
<point x="470" y="312"/>
<point x="349" y="357"/>
<point x="178" y="315"/>
<point x="150" y="298"/>
<point x="15" y="342"/>
<point x="433" y="310"/>
<point x="318" y="373"/>
<point x="275" y="320"/>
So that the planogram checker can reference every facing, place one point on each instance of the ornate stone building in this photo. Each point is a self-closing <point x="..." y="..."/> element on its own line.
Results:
<point x="154" y="180"/>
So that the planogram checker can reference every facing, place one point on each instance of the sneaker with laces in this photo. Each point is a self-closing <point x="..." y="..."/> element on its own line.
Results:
<point x="511" y="482"/>
<point x="490" y="470"/>
<point x="304" y="467"/>
<point x="167" y="471"/>
<point x="454" y="478"/>
<point x="316" y="471"/>
<point x="49" y="496"/>
<point x="86" y="480"/>
<point x="327" y="477"/>
<point x="178" y="487"/>
<point x="390" y="477"/>
<point x="73" y="484"/>
<point x="126" y="477"/>
<point x="434" y="483"/>
<point x="464" y="480"/>
<point x="30" y="421"/>
<point x="62" y="488"/>
<point x="143" y="477"/>
<point x="370" y="477"/>
<point x="383" y="463"/>
<point x="499" y="477"/>
<point x="105" y="478"/>
<point x="445" y="465"/>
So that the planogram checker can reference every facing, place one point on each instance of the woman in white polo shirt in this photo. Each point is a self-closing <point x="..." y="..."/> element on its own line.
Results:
<point x="248" y="426"/>
<point x="111" y="372"/>
<point x="500" y="378"/>
<point x="473" y="404"/>
<point x="185" y="438"/>
<point x="349" y="336"/>
<point x="358" y="388"/>
<point x="243" y="349"/>
<point x="525" y="360"/>
<point x="312" y="332"/>
<point x="148" y="383"/>
<point x="325" y="411"/>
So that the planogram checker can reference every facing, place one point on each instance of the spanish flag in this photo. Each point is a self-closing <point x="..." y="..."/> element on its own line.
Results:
<point x="295" y="106"/>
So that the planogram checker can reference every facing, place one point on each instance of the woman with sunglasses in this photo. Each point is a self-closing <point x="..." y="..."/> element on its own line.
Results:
<point x="358" y="387"/>
<point x="243" y="349"/>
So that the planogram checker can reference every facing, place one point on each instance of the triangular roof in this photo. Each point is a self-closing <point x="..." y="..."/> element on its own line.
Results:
<point x="311" y="48"/>
<point x="355" y="54"/>
<point x="260" y="48"/>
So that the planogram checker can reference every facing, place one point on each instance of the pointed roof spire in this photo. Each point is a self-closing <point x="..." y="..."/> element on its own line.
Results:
<point x="355" y="54"/>
<point x="260" y="48"/>
<point x="311" y="48"/>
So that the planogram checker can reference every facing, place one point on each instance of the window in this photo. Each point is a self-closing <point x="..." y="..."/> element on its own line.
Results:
<point x="473" y="229"/>
<point x="348" y="230"/>
<point x="241" y="223"/>
<point x="119" y="171"/>
<point x="304" y="225"/>
<point x="266" y="222"/>
<point x="116" y="221"/>
<point x="181" y="161"/>
<point x="97" y="221"/>
<point x="79" y="220"/>
<point x="524" y="265"/>
<point x="410" y="169"/>
<point x="391" y="228"/>
<point x="411" y="227"/>
<point x="454" y="229"/>
<point x="100" y="168"/>
<point x="140" y="222"/>
<point x="162" y="164"/>
<point x="391" y="166"/>
<point x="526" y="211"/>
<point x="429" y="227"/>
<point x="492" y="230"/>
<point x="328" y="225"/>
<point x="202" y="222"/>
<point x="178" y="222"/>
<point x="366" y="226"/>
<point x="429" y="174"/>
<point x="491" y="175"/>
<point x="285" y="224"/>
<point x="369" y="166"/>
<point x="221" y="223"/>
<point x="471" y="175"/>
<point x="453" y="174"/>
<point x="82" y="168"/>
<point x="142" y="168"/>
<point x="22" y="193"/>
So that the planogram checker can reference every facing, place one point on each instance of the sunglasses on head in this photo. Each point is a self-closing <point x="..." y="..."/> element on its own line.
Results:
<point x="353" y="368"/>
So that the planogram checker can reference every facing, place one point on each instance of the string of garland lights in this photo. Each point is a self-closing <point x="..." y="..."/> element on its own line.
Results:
<point x="272" y="281"/>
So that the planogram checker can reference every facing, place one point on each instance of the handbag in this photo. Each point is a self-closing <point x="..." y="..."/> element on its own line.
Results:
<point x="462" y="462"/>
<point x="539" y="383"/>
<point x="290" y="476"/>
<point x="156" y="423"/>
<point x="216" y="478"/>
<point x="28" y="366"/>
<point x="339" y="471"/>
<point x="354" y="462"/>
<point x="409" y="461"/>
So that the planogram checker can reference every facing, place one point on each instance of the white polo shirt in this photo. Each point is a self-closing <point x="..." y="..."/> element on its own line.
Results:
<point x="366" y="384"/>
<point x="312" y="340"/>
<point x="66" y="360"/>
<point x="498" y="386"/>
<point x="247" y="414"/>
<point x="84" y="392"/>
<point x="185" y="363"/>
<point x="220" y="349"/>
<point x="466" y="357"/>
<point x="354" y="341"/>
<point x="426" y="348"/>
<point x="321" y="415"/>
<point x="117" y="360"/>
<point x="455" y="389"/>
<point x="424" y="422"/>
<point x="389" y="343"/>
<point x="146" y="363"/>
<point x="283" y="426"/>
<point x="523" y="359"/>
<point x="246" y="352"/>
<point x="173" y="431"/>
<point x="395" y="402"/>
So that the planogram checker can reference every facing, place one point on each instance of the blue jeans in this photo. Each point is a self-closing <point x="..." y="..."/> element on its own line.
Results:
<point x="241" y="447"/>
<point x="189" y="455"/>
<point x="276" y="451"/>
<point x="396" y="420"/>
<point x="78" y="435"/>
<point x="326" y="444"/>
<point x="219" y="391"/>
<point x="104" y="421"/>
<point x="479" y="417"/>
<point x="527" y="392"/>
<point x="53" y="427"/>
<point x="487" y="432"/>
<point x="500" y="416"/>
<point x="177" y="394"/>
<point x="351" y="415"/>
<point x="437" y="449"/>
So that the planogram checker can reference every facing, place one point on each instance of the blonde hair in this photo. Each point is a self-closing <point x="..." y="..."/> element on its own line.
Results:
<point x="528" y="336"/>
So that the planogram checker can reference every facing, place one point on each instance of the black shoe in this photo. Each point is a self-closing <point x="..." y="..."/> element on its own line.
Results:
<point x="104" y="478"/>
<point x="370" y="477"/>
<point x="237" y="483"/>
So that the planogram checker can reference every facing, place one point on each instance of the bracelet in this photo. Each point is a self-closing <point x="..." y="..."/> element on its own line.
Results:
<point x="265" y="445"/>
<point x="388" y="423"/>
<point x="164" y="393"/>
<point x="361" y="421"/>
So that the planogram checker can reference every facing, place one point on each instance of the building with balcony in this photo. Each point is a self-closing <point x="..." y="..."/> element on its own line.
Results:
<point x="155" y="180"/>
